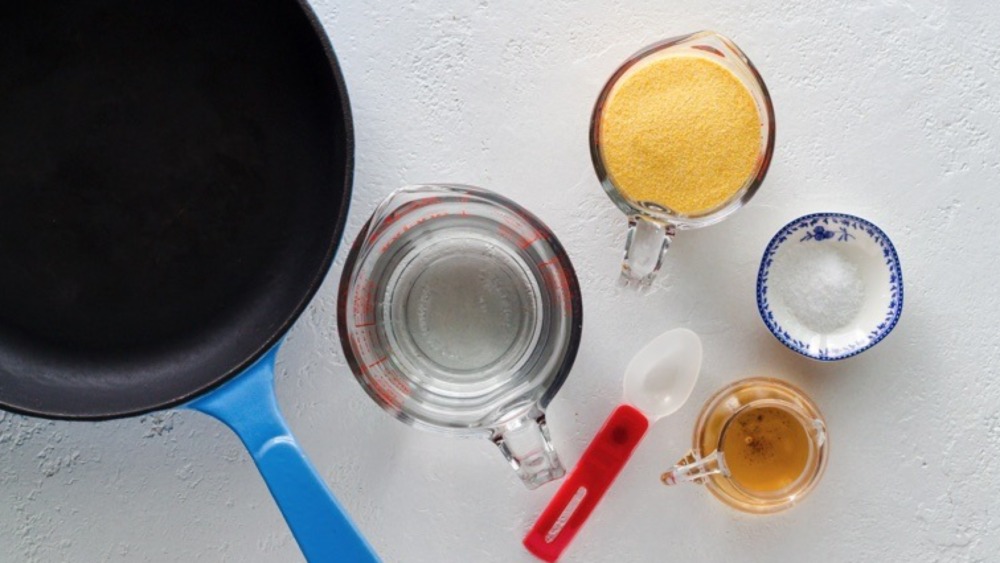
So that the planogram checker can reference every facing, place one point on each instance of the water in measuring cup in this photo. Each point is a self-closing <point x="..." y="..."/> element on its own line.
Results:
<point x="462" y="309"/>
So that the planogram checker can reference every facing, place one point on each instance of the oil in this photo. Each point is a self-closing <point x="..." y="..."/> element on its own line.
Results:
<point x="766" y="449"/>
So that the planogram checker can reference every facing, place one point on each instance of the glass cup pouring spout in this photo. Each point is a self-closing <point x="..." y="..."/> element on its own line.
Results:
<point x="694" y="469"/>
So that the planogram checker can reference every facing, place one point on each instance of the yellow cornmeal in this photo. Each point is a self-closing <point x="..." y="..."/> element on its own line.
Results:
<point x="682" y="132"/>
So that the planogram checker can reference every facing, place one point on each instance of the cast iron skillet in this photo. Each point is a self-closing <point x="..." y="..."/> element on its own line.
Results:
<point x="174" y="178"/>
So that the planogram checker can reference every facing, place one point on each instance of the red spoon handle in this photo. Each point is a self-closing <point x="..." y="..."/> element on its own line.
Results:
<point x="600" y="464"/>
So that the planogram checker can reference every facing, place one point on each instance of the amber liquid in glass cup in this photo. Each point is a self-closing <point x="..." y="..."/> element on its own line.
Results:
<point x="760" y="445"/>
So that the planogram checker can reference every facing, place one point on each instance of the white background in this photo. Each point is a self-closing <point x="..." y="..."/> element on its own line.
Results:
<point x="887" y="110"/>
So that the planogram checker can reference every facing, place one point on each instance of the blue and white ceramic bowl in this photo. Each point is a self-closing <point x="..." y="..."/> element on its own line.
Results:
<point x="861" y="252"/>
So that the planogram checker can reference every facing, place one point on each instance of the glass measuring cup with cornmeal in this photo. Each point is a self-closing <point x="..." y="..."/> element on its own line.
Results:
<point x="681" y="137"/>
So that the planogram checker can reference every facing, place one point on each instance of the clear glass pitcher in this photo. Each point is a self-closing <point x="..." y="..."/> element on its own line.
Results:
<point x="650" y="225"/>
<point x="459" y="311"/>
<point x="760" y="445"/>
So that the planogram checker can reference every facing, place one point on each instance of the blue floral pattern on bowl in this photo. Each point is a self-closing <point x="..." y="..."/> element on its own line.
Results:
<point x="837" y="229"/>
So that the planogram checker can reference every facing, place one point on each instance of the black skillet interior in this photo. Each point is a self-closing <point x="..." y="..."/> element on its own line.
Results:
<point x="174" y="177"/>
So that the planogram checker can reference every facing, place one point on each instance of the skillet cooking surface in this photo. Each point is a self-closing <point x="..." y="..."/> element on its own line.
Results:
<point x="173" y="182"/>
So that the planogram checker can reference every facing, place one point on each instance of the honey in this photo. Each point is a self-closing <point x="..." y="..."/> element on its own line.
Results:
<point x="766" y="449"/>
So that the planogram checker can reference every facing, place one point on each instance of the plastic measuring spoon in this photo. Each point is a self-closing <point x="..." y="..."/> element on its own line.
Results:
<point x="658" y="381"/>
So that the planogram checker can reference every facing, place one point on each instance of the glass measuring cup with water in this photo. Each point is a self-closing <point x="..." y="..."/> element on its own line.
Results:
<point x="459" y="311"/>
<point x="652" y="225"/>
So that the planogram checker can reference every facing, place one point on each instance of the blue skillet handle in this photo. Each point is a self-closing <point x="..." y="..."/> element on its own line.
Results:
<point x="248" y="406"/>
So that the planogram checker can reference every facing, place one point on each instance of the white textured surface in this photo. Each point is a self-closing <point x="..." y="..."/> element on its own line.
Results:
<point x="888" y="110"/>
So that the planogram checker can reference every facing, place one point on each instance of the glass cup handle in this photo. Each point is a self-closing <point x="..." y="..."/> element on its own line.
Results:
<point x="692" y="469"/>
<point x="526" y="444"/>
<point x="645" y="245"/>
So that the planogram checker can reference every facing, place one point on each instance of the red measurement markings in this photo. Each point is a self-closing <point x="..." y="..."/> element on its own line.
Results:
<point x="550" y="262"/>
<point x="365" y="348"/>
<point x="423" y="202"/>
<point x="358" y="344"/>
<point x="528" y="242"/>
<point x="363" y="309"/>
<point x="388" y="386"/>
<point x="384" y="225"/>
<point x="401" y="212"/>
<point x="397" y="382"/>
<point x="510" y="234"/>
<point x="385" y="247"/>
<point x="366" y="324"/>
<point x="385" y="394"/>
<point x="363" y="296"/>
<point x="377" y="362"/>
<point x="513" y="223"/>
<point x="513" y="235"/>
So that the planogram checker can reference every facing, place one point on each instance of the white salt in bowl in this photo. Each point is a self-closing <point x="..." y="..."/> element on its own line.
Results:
<point x="830" y="286"/>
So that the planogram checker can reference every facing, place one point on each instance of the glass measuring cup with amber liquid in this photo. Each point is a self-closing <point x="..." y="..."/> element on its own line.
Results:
<point x="760" y="445"/>
<point x="460" y="312"/>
